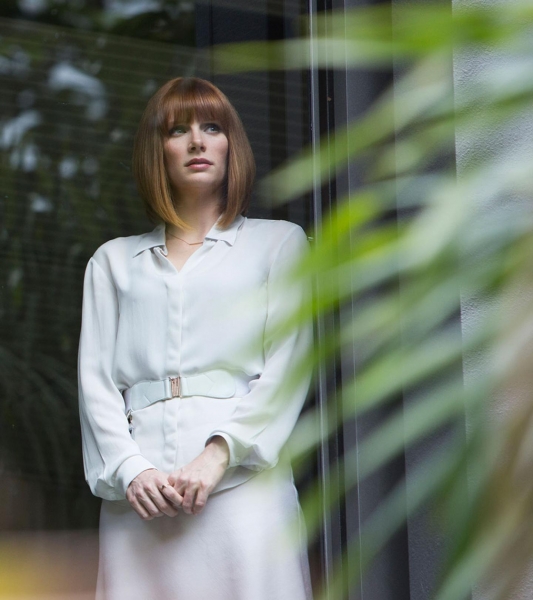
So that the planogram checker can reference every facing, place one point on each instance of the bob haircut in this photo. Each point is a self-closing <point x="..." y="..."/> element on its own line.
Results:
<point x="181" y="100"/>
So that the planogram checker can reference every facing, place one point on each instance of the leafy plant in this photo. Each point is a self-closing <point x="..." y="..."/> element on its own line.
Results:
<point x="442" y="294"/>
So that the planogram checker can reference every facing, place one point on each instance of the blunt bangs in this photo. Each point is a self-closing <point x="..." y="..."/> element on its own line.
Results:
<point x="191" y="98"/>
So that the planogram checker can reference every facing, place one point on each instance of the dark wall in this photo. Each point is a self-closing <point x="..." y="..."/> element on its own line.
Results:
<point x="273" y="105"/>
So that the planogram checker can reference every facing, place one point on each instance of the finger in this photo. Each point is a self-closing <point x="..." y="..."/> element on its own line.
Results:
<point x="137" y="506"/>
<point x="171" y="495"/>
<point x="140" y="510"/>
<point x="167" y="509"/>
<point x="149" y="506"/>
<point x="163" y="504"/>
<point x="180" y="486"/>
<point x="188" y="500"/>
<point x="201" y="500"/>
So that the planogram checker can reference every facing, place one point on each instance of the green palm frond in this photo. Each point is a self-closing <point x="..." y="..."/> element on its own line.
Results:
<point x="463" y="239"/>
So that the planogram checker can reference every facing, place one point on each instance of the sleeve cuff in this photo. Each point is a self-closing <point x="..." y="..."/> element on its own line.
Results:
<point x="129" y="469"/>
<point x="237" y="452"/>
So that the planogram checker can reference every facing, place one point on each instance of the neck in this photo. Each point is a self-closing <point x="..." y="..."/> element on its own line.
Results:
<point x="199" y="212"/>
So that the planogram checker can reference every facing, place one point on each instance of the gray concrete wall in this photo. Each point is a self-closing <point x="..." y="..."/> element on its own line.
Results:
<point x="479" y="146"/>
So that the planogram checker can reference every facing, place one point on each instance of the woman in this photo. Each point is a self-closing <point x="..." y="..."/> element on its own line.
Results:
<point x="185" y="399"/>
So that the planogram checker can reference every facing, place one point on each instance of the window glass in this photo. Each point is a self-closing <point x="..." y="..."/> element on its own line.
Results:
<point x="75" y="76"/>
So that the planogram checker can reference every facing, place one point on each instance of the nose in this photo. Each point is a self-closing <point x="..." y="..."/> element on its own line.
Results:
<point x="197" y="140"/>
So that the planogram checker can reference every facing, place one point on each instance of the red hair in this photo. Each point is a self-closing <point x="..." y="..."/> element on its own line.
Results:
<point x="181" y="100"/>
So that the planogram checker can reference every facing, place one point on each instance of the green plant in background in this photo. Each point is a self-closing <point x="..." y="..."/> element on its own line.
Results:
<point x="72" y="94"/>
<point x="462" y="246"/>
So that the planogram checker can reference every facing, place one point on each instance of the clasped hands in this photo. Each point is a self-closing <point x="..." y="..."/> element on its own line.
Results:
<point x="155" y="494"/>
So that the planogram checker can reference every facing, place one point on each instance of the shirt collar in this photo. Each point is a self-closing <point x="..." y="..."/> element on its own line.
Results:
<point x="156" y="237"/>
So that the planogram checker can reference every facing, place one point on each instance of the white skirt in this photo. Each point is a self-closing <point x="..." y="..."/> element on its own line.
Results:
<point x="249" y="543"/>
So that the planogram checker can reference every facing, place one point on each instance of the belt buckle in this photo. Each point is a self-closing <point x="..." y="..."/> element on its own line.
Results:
<point x="129" y="416"/>
<point x="175" y="386"/>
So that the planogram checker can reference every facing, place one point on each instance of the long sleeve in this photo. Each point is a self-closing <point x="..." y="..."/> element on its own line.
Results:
<point x="265" y="417"/>
<point x="111" y="457"/>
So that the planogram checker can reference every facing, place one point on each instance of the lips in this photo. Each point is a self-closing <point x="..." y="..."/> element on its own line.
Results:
<point x="198" y="161"/>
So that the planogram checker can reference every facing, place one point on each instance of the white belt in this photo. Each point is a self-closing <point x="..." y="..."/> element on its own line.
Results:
<point x="215" y="384"/>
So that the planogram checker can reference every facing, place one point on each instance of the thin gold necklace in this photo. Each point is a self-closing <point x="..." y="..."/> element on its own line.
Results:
<point x="188" y="243"/>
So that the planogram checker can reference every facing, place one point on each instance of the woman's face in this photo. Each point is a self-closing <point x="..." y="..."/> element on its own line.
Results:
<point x="195" y="156"/>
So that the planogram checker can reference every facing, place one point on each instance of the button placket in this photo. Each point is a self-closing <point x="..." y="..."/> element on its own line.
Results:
<point x="174" y="282"/>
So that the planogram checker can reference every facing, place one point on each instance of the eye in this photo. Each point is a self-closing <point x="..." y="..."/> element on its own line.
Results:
<point x="177" y="129"/>
<point x="213" y="127"/>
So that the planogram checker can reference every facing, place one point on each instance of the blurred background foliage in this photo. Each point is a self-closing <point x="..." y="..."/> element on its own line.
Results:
<point x="429" y="261"/>
<point x="158" y="20"/>
<point x="73" y="85"/>
<point x="442" y="292"/>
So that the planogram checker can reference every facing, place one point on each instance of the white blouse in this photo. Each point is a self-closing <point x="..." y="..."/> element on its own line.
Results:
<point x="144" y="320"/>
